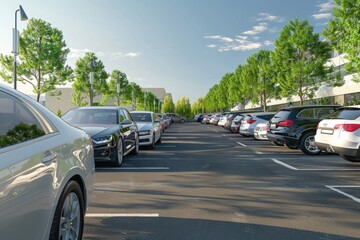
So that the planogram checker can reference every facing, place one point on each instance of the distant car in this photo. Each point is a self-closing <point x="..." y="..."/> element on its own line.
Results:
<point x="235" y="125"/>
<point x="223" y="119"/>
<point x="149" y="128"/>
<point x="114" y="133"/>
<point x="198" y="117"/>
<point x="176" y="118"/>
<point x="215" y="119"/>
<point x="250" y="121"/>
<point x="260" y="131"/>
<point x="206" y="119"/>
<point x="46" y="171"/>
<point x="296" y="126"/>
<point x="340" y="133"/>
<point x="164" y="119"/>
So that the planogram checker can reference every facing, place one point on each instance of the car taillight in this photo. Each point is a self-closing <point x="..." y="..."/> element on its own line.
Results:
<point x="237" y="123"/>
<point x="229" y="119"/>
<point x="250" y="121"/>
<point x="348" y="127"/>
<point x="286" y="123"/>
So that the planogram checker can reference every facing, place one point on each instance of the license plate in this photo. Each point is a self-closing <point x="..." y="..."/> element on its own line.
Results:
<point x="273" y="125"/>
<point x="327" y="131"/>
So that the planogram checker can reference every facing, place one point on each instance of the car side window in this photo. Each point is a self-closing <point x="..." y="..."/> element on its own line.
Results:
<point x="306" y="113"/>
<point x="322" y="113"/>
<point x="19" y="122"/>
<point x="121" y="115"/>
<point x="127" y="115"/>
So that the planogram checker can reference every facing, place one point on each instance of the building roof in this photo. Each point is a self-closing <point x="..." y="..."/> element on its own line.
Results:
<point x="160" y="93"/>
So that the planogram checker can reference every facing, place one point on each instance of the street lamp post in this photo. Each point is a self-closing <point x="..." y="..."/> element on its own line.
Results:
<point x="118" y="92"/>
<point x="145" y="101"/>
<point x="23" y="17"/>
<point x="92" y="65"/>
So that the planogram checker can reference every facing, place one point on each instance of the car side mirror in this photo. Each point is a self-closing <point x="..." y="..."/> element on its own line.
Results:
<point x="126" y="122"/>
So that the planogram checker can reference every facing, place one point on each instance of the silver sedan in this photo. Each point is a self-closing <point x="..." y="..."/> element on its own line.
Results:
<point x="46" y="171"/>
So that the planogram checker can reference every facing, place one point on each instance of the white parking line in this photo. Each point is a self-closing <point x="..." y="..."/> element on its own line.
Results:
<point x="241" y="144"/>
<point x="110" y="215"/>
<point x="313" y="169"/>
<point x="215" y="131"/>
<point x="135" y="168"/>
<point x="257" y="152"/>
<point x="284" y="164"/>
<point x="334" y="188"/>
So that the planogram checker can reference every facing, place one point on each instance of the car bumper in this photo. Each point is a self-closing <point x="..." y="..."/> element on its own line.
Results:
<point x="104" y="154"/>
<point x="282" y="139"/>
<point x="337" y="144"/>
<point x="260" y="135"/>
<point x="145" y="140"/>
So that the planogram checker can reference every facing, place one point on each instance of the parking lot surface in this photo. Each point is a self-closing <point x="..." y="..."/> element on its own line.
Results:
<point x="203" y="182"/>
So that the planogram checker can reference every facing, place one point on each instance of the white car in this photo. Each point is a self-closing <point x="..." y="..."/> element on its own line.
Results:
<point x="215" y="119"/>
<point x="341" y="133"/>
<point x="260" y="131"/>
<point x="250" y="121"/>
<point x="223" y="119"/>
<point x="149" y="128"/>
<point x="46" y="171"/>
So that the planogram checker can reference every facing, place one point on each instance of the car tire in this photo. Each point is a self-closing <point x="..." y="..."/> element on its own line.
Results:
<point x="291" y="146"/>
<point x="136" y="148"/>
<point x="68" y="221"/>
<point x="277" y="143"/>
<point x="350" y="158"/>
<point x="119" y="156"/>
<point x="307" y="144"/>
<point x="152" y="146"/>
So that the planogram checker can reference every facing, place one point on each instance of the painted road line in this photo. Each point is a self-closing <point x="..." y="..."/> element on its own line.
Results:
<point x="215" y="131"/>
<point x="257" y="152"/>
<point x="334" y="188"/>
<point x="284" y="164"/>
<point x="241" y="144"/>
<point x="135" y="168"/>
<point x="165" y="146"/>
<point x="111" y="215"/>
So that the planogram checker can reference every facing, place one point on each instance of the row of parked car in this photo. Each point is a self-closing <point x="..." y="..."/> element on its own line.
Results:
<point x="312" y="129"/>
<point x="47" y="166"/>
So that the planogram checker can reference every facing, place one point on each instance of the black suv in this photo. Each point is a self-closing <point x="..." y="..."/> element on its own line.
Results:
<point x="296" y="126"/>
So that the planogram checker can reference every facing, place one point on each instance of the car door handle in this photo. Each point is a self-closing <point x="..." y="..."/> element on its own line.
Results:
<point x="49" y="157"/>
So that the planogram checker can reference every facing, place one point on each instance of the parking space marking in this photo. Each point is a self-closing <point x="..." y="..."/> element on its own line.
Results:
<point x="111" y="215"/>
<point x="284" y="164"/>
<point x="313" y="169"/>
<point x="334" y="188"/>
<point x="241" y="144"/>
<point x="215" y="131"/>
<point x="169" y="137"/>
<point x="135" y="168"/>
<point x="257" y="152"/>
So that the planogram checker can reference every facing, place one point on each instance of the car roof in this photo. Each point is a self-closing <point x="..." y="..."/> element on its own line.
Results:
<point x="141" y="112"/>
<point x="101" y="107"/>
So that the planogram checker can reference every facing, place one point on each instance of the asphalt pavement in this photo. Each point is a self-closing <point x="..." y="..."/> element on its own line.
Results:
<point x="203" y="182"/>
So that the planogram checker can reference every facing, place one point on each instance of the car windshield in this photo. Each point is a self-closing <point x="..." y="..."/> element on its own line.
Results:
<point x="141" y="117"/>
<point x="92" y="116"/>
<point x="346" y="113"/>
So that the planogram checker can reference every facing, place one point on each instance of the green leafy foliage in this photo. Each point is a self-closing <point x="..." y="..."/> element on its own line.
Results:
<point x="168" y="106"/>
<point x="43" y="55"/>
<point x="20" y="133"/>
<point x="183" y="107"/>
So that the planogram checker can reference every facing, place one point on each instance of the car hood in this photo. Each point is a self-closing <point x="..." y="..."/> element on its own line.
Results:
<point x="144" y="126"/>
<point x="99" y="130"/>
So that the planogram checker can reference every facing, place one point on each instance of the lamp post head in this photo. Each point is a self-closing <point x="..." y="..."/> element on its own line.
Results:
<point x="23" y="16"/>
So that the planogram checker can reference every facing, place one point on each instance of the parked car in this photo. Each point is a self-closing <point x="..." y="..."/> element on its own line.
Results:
<point x="296" y="126"/>
<point x="260" y="131"/>
<point x="176" y="118"/>
<point x="114" y="133"/>
<point x="46" y="171"/>
<point x="164" y="119"/>
<point x="206" y="119"/>
<point x="340" y="133"/>
<point x="149" y="128"/>
<point x="235" y="125"/>
<point x="250" y="121"/>
<point x="223" y="119"/>
<point x="215" y="118"/>
<point x="198" y="117"/>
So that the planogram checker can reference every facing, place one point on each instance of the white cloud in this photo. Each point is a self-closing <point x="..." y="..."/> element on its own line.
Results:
<point x="321" y="15"/>
<point x="324" y="7"/>
<point x="117" y="55"/>
<point x="211" y="46"/>
<point x="257" y="29"/>
<point x="268" y="42"/>
<point x="221" y="38"/>
<point x="244" y="46"/>
<point x="77" y="53"/>
<point x="268" y="17"/>
<point x="132" y="54"/>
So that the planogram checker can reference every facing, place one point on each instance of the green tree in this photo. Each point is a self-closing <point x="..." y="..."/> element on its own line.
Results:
<point x="81" y="85"/>
<point x="224" y="93"/>
<point x="116" y="77"/>
<point x="343" y="31"/>
<point x="198" y="106"/>
<point x="183" y="107"/>
<point x="168" y="105"/>
<point x="211" y="99"/>
<point x="239" y="91"/>
<point x="299" y="60"/>
<point x="43" y="55"/>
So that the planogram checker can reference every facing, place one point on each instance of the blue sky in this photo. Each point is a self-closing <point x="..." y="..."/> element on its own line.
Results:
<point x="185" y="46"/>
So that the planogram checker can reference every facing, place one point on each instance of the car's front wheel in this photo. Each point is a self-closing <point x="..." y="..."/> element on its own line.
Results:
<point x="308" y="146"/>
<point x="350" y="158"/>
<point x="119" y="156"/>
<point x="68" y="221"/>
<point x="291" y="146"/>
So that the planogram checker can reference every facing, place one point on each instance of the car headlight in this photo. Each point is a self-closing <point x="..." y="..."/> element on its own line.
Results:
<point x="102" y="140"/>
<point x="147" y="132"/>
